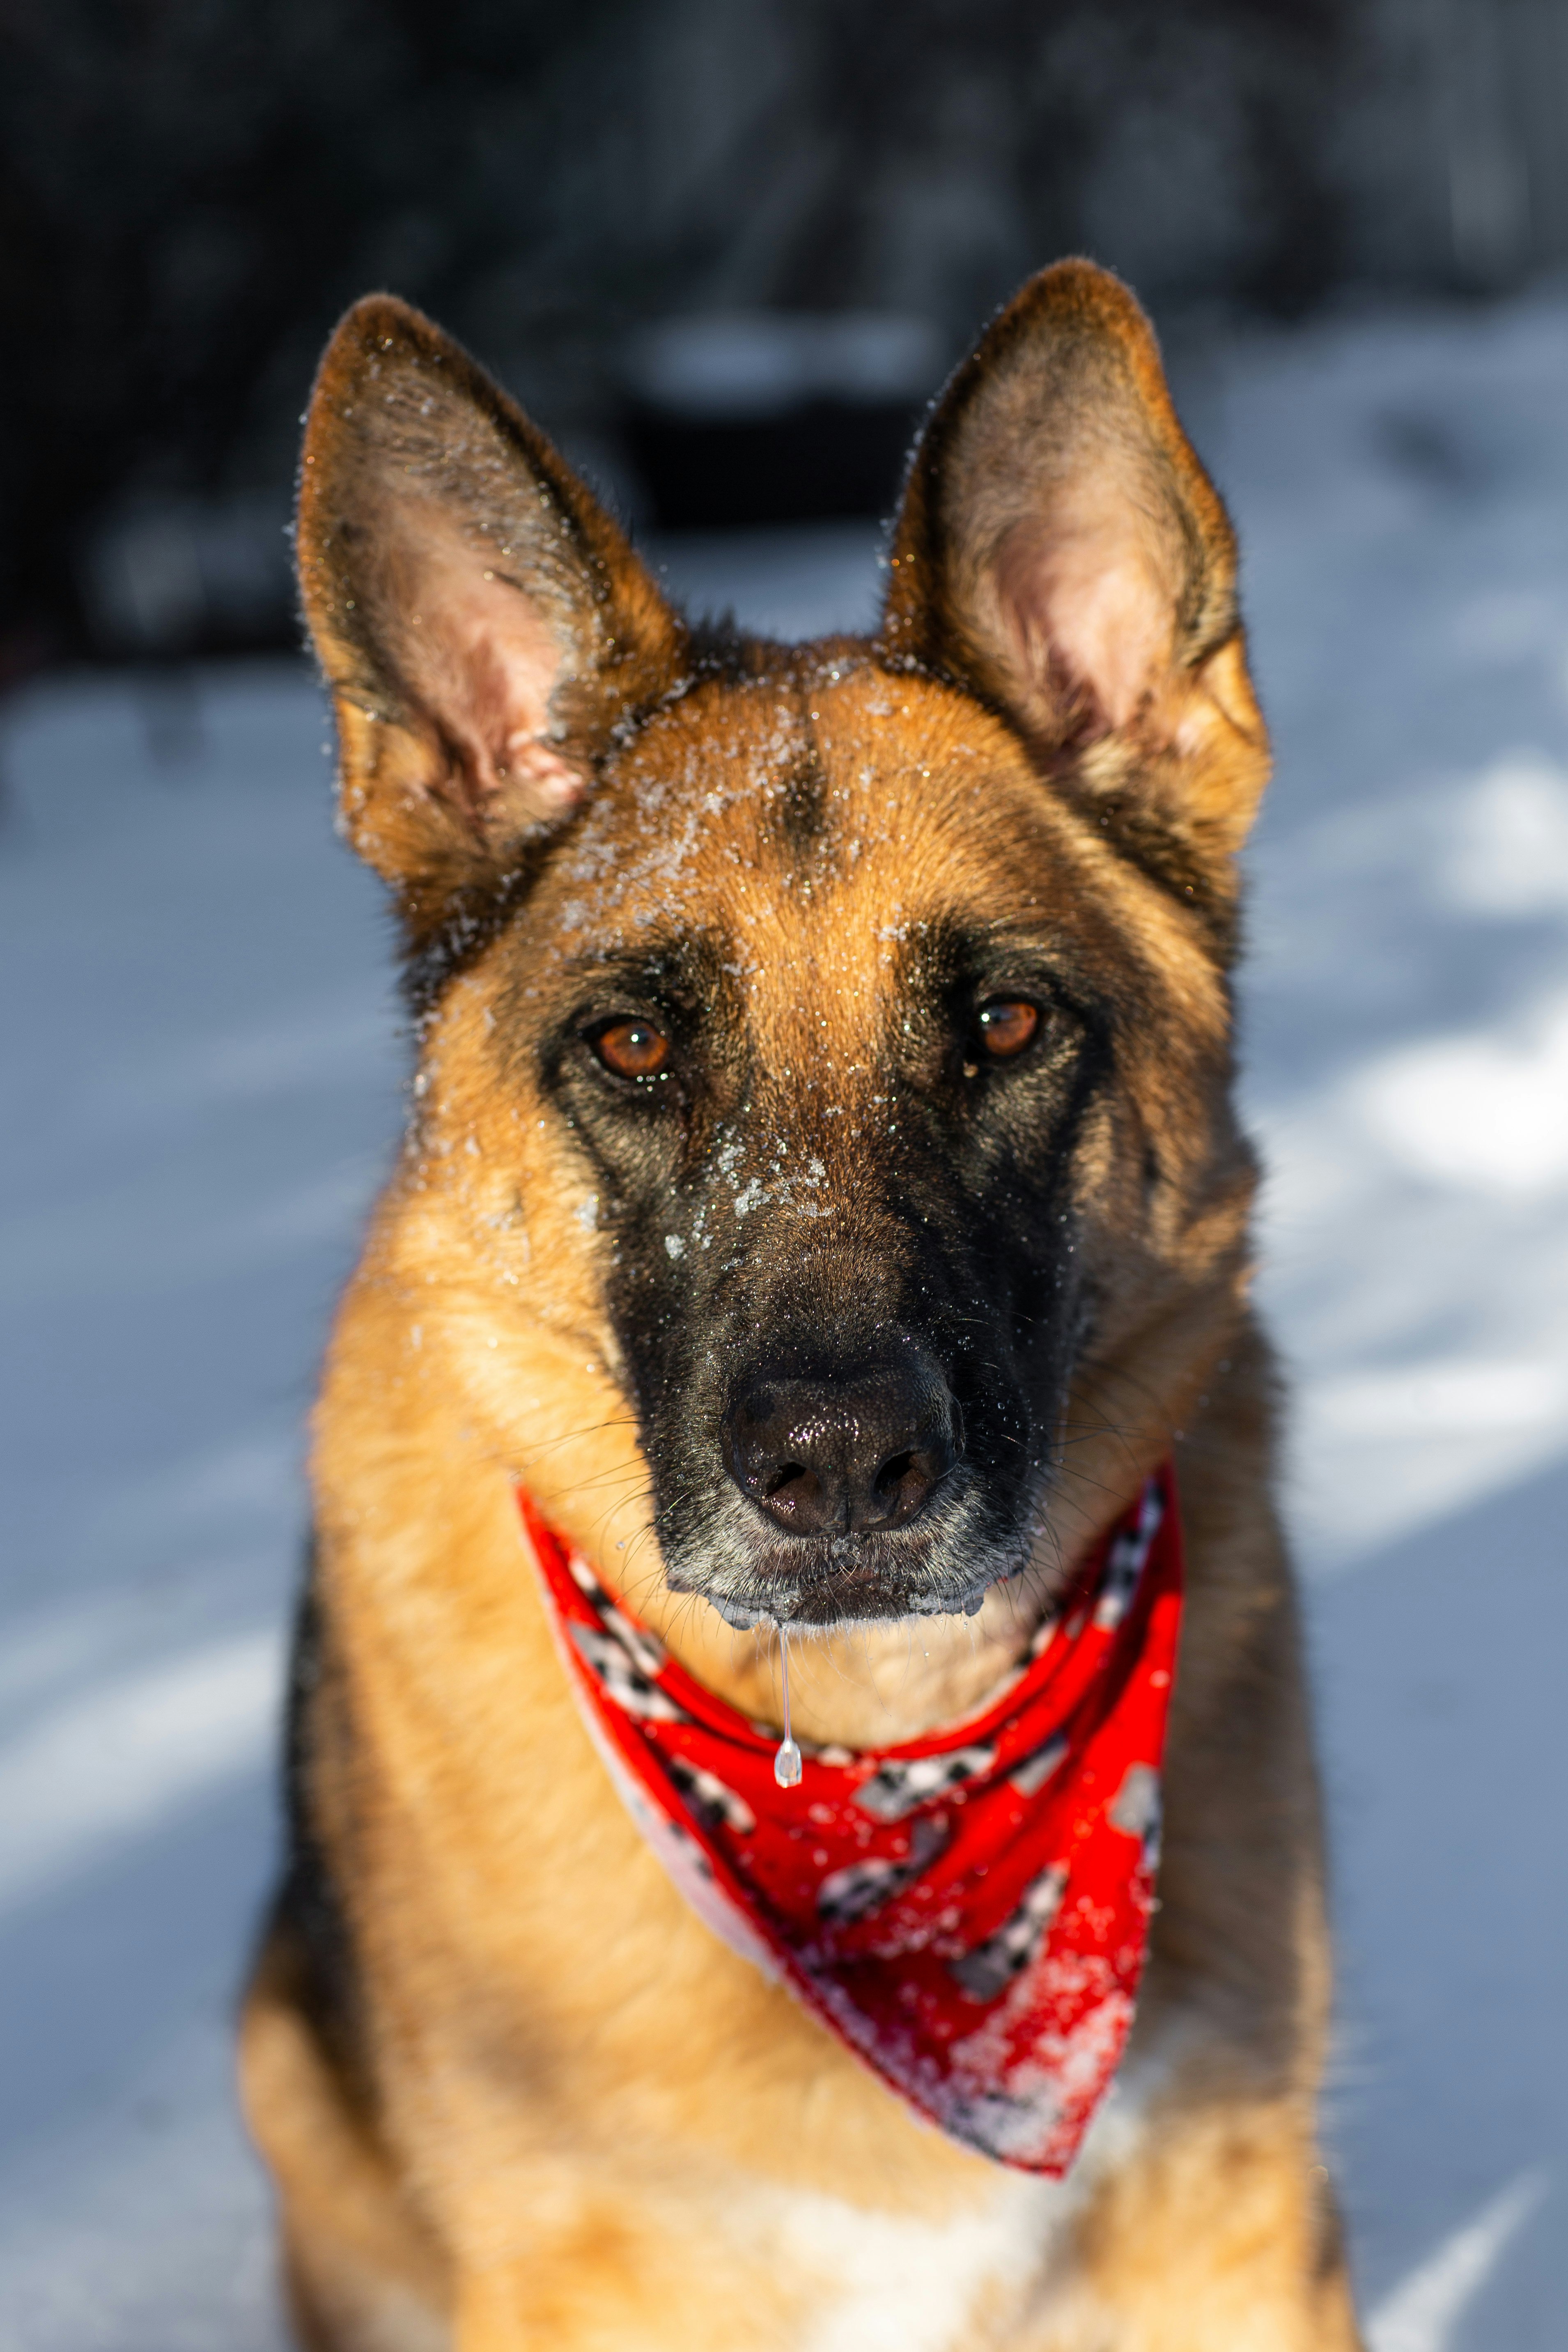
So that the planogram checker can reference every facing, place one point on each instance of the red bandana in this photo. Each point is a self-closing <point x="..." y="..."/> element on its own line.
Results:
<point x="970" y="1911"/>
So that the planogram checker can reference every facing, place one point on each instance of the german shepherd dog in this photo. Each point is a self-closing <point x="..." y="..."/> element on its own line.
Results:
<point x="848" y="1023"/>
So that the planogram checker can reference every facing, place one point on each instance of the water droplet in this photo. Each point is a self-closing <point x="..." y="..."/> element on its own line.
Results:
<point x="786" y="1763"/>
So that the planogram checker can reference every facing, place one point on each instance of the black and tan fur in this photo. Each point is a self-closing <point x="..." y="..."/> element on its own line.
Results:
<point x="512" y="2091"/>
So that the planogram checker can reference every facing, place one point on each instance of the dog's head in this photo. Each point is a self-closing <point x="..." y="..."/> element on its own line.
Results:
<point x="833" y="1040"/>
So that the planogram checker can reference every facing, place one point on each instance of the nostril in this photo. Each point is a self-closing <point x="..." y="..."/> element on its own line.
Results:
<point x="905" y="1480"/>
<point x="785" y="1477"/>
<point x="893" y="1472"/>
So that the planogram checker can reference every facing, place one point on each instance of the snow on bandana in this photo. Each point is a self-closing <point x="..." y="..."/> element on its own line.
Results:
<point x="968" y="1911"/>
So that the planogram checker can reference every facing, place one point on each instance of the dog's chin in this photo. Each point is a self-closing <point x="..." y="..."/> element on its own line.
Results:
<point x="822" y="1608"/>
<point x="818" y="1585"/>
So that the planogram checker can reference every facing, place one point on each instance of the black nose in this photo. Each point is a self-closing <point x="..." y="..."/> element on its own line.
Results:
<point x="842" y="1456"/>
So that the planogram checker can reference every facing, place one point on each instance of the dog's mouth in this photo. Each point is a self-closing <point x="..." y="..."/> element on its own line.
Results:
<point x="942" y="1565"/>
<point x="854" y="1591"/>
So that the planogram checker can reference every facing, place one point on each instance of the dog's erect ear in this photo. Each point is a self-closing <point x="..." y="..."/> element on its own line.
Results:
<point x="1062" y="550"/>
<point x="482" y="623"/>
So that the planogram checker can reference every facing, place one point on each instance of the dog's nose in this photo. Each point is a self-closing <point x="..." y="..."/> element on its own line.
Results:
<point x="841" y="1456"/>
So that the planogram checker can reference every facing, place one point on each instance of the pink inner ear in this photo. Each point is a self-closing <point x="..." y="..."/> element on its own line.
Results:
<point x="482" y="662"/>
<point x="1088" y="609"/>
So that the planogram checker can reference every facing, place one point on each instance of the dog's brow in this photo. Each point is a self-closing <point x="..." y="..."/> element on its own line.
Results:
<point x="689" y="958"/>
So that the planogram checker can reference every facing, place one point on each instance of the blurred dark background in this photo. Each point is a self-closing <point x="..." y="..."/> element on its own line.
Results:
<point x="722" y="248"/>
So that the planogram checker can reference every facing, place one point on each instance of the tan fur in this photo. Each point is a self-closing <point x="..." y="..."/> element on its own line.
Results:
<point x="565" y="2115"/>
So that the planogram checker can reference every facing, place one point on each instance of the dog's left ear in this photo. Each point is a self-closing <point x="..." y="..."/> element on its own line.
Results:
<point x="482" y="622"/>
<point x="1061" y="550"/>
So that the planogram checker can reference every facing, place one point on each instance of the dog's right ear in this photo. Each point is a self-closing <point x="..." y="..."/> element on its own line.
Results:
<point x="482" y="623"/>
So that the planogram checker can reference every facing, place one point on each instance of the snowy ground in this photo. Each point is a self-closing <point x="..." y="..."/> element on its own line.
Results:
<point x="203" y="1077"/>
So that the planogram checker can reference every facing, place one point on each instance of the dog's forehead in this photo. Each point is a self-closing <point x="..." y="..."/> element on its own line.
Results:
<point x="817" y="826"/>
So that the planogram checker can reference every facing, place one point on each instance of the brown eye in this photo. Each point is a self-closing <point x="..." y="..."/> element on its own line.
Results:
<point x="632" y="1049"/>
<point x="1006" y="1027"/>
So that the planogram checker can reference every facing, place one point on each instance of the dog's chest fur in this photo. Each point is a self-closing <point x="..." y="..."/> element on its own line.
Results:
<point x="899" y="2283"/>
<point x="893" y="2285"/>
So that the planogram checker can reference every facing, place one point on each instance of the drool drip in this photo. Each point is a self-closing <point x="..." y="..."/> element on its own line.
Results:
<point x="786" y="1763"/>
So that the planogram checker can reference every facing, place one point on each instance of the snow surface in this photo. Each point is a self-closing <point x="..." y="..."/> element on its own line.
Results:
<point x="203" y="1074"/>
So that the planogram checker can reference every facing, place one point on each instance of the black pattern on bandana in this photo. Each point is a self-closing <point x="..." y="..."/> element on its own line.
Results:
<point x="903" y="1783"/>
<point x="1125" y="1564"/>
<point x="709" y="1799"/>
<point x="623" y="1678"/>
<point x="863" y="1887"/>
<point x="991" y="1966"/>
